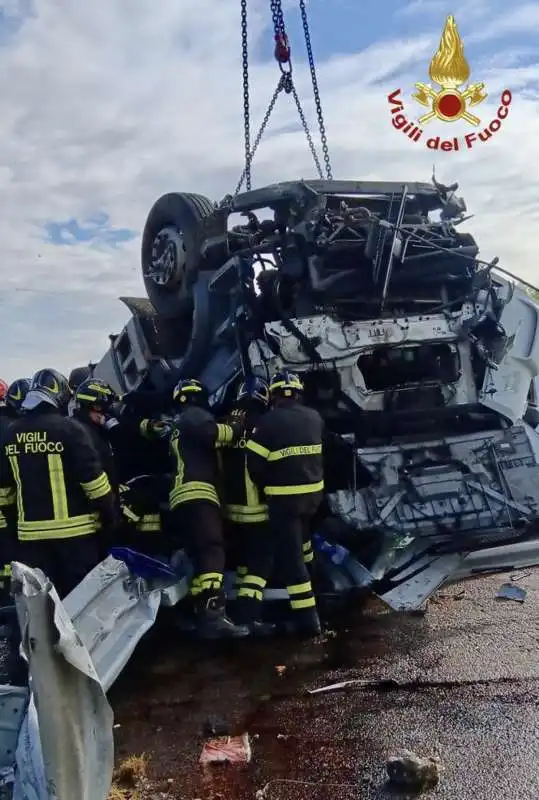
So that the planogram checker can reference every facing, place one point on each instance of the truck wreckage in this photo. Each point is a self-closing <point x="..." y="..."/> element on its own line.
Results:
<point x="420" y="357"/>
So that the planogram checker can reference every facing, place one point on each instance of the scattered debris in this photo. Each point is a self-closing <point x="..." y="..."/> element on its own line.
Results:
<point x="519" y="576"/>
<point x="460" y="595"/>
<point x="407" y="771"/>
<point x="508" y="591"/>
<point x="335" y="687"/>
<point x="232" y="749"/>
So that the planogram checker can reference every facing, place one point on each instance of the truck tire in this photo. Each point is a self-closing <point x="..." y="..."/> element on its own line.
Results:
<point x="171" y="256"/>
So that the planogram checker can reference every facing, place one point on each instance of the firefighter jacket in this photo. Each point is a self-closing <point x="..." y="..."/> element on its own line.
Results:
<point x="193" y="444"/>
<point x="51" y="471"/>
<point x="284" y="452"/>
<point x="101" y="437"/>
<point x="243" y="503"/>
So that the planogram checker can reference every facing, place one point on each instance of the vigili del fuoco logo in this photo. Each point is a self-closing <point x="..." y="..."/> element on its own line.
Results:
<point x="450" y="101"/>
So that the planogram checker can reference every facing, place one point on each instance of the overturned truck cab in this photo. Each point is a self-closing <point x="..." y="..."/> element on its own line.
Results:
<point x="420" y="357"/>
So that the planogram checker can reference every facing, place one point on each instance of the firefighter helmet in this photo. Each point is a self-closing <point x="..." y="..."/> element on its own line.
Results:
<point x="50" y="386"/>
<point x="286" y="384"/>
<point x="94" y="394"/>
<point x="17" y="392"/>
<point x="254" y="388"/>
<point x="190" y="390"/>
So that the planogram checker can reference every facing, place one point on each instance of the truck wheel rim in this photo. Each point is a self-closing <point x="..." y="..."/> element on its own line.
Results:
<point x="168" y="257"/>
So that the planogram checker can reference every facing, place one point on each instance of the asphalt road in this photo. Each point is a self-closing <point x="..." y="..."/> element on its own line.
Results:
<point x="460" y="683"/>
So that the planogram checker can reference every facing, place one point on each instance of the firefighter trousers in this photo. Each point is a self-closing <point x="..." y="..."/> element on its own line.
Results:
<point x="64" y="561"/>
<point x="255" y="550"/>
<point x="290" y="534"/>
<point x="201" y="526"/>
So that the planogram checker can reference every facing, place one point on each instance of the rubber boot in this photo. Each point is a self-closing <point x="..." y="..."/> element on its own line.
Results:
<point x="304" y="624"/>
<point x="247" y="613"/>
<point x="212" y="621"/>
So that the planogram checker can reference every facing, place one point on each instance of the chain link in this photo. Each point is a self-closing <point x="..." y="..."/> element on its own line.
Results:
<point x="316" y="93"/>
<point x="249" y="158"/>
<point x="246" y="102"/>
<point x="285" y="84"/>
<point x="277" y="17"/>
<point x="308" y="135"/>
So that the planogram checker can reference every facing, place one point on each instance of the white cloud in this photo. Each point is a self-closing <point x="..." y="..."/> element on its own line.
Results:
<point x="106" y="106"/>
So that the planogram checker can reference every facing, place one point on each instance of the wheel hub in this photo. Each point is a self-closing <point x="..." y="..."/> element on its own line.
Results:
<point x="167" y="262"/>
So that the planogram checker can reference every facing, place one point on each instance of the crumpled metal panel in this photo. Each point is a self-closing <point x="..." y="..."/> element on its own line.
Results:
<point x="74" y="716"/>
<point x="110" y="613"/>
<point x="505" y="389"/>
<point x="456" y="487"/>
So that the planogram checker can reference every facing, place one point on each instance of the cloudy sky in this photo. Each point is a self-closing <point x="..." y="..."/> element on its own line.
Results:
<point x="106" y="106"/>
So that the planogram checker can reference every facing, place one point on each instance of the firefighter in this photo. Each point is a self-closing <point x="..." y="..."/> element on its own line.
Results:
<point x="195" y="503"/>
<point x="91" y="406"/>
<point x="246" y="511"/>
<point x="92" y="403"/>
<point x="284" y="458"/>
<point x="51" y="471"/>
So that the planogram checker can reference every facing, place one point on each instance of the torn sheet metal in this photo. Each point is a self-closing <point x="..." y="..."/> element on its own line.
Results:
<point x="73" y="713"/>
<point x="111" y="611"/>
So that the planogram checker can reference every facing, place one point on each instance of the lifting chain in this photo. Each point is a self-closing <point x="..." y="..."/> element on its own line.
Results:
<point x="250" y="155"/>
<point x="282" y="56"/>
<point x="316" y="93"/>
<point x="246" y="103"/>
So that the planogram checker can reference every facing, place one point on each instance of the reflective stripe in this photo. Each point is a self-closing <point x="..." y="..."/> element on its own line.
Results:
<point x="308" y="602"/>
<point x="195" y="586"/>
<point x="255" y="580"/>
<point x="210" y="580"/>
<point x="97" y="488"/>
<point x="306" y="488"/>
<point x="225" y="434"/>
<point x="17" y="478"/>
<point x="254" y="447"/>
<point x="129" y="513"/>
<point x="308" y="553"/>
<point x="82" y="525"/>
<point x="7" y="495"/>
<point x="300" y="450"/>
<point x="244" y="514"/>
<point x="149" y="523"/>
<point x="5" y="571"/>
<point x="296" y="601"/>
<point x="3" y="521"/>
<point x="58" y="487"/>
<point x="299" y="588"/>
<point x="252" y="587"/>
<point x="193" y="490"/>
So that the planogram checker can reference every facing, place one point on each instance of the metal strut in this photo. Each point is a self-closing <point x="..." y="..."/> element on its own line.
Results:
<point x="282" y="56"/>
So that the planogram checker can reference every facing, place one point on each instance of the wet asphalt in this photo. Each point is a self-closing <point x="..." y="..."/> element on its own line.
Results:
<point x="460" y="683"/>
